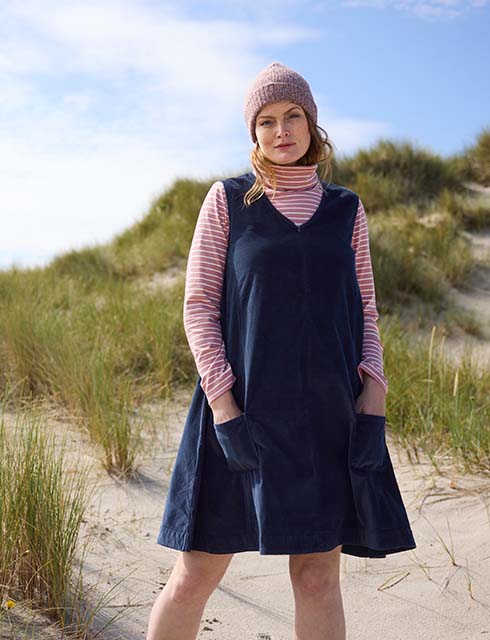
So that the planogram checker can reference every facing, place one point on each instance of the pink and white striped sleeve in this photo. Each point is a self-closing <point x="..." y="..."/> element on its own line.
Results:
<point x="372" y="349"/>
<point x="202" y="297"/>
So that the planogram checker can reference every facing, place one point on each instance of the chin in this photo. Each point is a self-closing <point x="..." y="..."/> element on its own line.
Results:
<point x="286" y="160"/>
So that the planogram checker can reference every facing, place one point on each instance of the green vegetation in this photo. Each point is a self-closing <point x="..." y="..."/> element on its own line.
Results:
<point x="394" y="173"/>
<point x="434" y="406"/>
<point x="474" y="163"/>
<point x="415" y="259"/>
<point x="41" y="509"/>
<point x="93" y="354"/>
<point x="88" y="337"/>
<point x="85" y="335"/>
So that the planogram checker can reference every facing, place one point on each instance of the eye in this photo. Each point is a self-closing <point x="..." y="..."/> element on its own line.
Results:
<point x="293" y="115"/>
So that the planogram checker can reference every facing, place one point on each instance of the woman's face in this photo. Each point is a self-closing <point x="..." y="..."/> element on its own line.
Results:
<point x="282" y="122"/>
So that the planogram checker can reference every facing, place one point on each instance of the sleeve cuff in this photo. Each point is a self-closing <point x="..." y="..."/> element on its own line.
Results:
<point x="218" y="387"/>
<point x="379" y="377"/>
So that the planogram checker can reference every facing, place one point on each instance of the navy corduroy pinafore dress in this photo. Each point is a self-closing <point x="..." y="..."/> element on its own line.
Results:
<point x="299" y="471"/>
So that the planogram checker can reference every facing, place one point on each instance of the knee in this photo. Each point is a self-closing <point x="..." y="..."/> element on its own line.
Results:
<point x="192" y="588"/>
<point x="195" y="576"/>
<point x="315" y="582"/>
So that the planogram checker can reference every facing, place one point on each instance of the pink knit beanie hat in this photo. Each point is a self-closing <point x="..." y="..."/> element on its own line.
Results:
<point x="275" y="83"/>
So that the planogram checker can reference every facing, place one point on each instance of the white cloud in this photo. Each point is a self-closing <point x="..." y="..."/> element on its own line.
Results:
<point x="80" y="100"/>
<point x="15" y="94"/>
<point x="103" y="104"/>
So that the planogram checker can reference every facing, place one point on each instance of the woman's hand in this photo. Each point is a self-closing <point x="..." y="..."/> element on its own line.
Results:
<point x="225" y="408"/>
<point x="372" y="398"/>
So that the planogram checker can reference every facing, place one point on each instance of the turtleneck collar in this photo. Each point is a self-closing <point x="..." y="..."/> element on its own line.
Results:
<point x="293" y="177"/>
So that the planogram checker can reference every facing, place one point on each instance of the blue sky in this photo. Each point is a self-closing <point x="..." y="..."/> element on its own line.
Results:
<point x="103" y="104"/>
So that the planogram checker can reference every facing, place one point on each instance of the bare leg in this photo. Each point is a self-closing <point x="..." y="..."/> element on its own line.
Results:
<point x="319" y="612"/>
<point x="177" y="611"/>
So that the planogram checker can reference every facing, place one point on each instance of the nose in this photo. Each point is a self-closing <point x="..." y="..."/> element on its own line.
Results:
<point x="283" y="130"/>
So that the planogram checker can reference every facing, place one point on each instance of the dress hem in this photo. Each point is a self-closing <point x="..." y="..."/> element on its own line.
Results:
<point x="376" y="544"/>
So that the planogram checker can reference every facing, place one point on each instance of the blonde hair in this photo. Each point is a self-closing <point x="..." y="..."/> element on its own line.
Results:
<point x="320" y="151"/>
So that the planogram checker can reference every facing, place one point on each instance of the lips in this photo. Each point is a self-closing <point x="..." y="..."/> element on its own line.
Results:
<point x="284" y="146"/>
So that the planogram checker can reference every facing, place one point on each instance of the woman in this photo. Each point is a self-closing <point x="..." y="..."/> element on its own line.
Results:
<point x="283" y="449"/>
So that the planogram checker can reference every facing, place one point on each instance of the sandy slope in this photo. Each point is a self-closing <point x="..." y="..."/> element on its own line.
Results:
<point x="475" y="297"/>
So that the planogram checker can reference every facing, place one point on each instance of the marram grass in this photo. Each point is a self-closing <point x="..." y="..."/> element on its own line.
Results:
<point x="41" y="509"/>
<point x="86" y="334"/>
<point x="433" y="404"/>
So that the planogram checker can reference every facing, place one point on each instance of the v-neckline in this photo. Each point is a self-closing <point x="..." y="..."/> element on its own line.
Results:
<point x="298" y="227"/>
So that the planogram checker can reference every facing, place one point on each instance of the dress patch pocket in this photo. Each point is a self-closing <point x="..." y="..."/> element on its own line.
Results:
<point x="236" y="441"/>
<point x="368" y="445"/>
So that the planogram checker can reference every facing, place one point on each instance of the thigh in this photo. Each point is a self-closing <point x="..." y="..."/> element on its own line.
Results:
<point x="326" y="563"/>
<point x="202" y="566"/>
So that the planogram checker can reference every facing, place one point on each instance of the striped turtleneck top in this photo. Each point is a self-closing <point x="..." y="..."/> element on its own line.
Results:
<point x="298" y="194"/>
